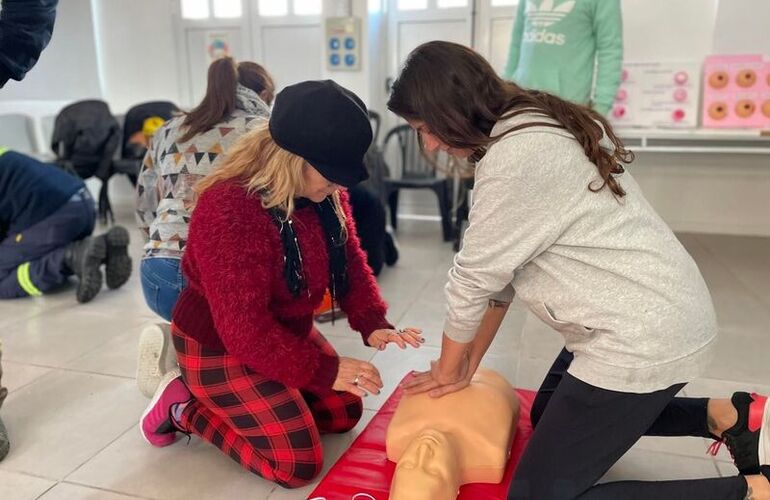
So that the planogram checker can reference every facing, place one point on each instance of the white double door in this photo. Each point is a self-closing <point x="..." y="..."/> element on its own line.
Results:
<point x="475" y="23"/>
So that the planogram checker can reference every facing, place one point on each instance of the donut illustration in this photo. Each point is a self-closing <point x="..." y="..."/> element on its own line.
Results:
<point x="746" y="78"/>
<point x="718" y="110"/>
<point x="745" y="108"/>
<point x="621" y="95"/>
<point x="718" y="79"/>
<point x="680" y="95"/>
<point x="678" y="115"/>
<point x="766" y="108"/>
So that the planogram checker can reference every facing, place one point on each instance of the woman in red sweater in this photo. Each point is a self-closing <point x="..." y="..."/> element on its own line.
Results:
<point x="271" y="232"/>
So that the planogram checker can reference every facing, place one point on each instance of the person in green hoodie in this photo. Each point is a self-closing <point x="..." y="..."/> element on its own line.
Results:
<point x="555" y="45"/>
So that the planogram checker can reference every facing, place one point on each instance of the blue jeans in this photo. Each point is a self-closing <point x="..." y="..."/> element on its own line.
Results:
<point x="162" y="282"/>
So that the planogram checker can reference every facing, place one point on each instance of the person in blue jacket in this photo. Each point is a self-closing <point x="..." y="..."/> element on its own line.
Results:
<point x="46" y="219"/>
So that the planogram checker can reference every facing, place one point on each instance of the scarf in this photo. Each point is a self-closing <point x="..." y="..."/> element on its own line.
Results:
<point x="250" y="102"/>
<point x="292" y="261"/>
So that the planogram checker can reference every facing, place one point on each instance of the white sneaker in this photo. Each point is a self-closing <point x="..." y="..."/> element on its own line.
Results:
<point x="156" y="357"/>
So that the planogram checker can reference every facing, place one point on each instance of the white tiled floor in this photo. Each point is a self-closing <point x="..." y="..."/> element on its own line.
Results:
<point x="73" y="406"/>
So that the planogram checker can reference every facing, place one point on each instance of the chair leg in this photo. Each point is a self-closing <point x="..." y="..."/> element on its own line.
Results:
<point x="442" y="192"/>
<point x="393" y="207"/>
<point x="106" y="216"/>
<point x="461" y="216"/>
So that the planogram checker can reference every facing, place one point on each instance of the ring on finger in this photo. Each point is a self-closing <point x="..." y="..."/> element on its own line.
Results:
<point x="357" y="379"/>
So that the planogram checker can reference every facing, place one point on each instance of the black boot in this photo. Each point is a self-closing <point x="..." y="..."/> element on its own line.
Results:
<point x="84" y="257"/>
<point x="117" y="263"/>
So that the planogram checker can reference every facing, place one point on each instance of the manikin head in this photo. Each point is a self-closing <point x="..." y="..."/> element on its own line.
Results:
<point x="428" y="469"/>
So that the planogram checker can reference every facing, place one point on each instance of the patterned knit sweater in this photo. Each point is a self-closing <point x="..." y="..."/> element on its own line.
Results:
<point x="171" y="169"/>
<point x="238" y="301"/>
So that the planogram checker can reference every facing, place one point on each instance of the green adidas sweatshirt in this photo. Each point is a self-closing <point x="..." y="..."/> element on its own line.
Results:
<point x="555" y="43"/>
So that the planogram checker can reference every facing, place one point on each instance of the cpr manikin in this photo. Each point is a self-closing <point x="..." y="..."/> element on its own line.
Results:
<point x="463" y="437"/>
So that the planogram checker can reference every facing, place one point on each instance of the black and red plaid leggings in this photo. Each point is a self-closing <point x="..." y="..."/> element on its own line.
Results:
<point x="270" y="429"/>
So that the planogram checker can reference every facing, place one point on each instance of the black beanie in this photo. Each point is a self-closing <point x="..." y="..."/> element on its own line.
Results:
<point x="327" y="125"/>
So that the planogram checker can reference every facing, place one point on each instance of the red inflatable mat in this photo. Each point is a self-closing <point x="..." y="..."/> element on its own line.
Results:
<point x="363" y="472"/>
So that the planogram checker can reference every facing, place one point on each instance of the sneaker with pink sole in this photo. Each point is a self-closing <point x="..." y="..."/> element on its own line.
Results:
<point x="749" y="439"/>
<point x="157" y="424"/>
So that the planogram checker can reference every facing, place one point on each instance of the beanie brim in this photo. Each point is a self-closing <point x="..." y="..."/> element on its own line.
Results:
<point x="344" y="175"/>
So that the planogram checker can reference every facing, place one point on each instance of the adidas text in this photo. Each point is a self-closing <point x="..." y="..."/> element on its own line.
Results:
<point x="544" y="36"/>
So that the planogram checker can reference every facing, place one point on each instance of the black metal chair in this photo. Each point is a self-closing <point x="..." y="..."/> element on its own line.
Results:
<point x="84" y="139"/>
<point x="130" y="160"/>
<point x="417" y="172"/>
<point x="462" y="210"/>
<point x="375" y="119"/>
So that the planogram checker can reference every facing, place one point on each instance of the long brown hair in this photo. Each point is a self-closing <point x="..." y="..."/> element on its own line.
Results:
<point x="224" y="75"/>
<point x="459" y="97"/>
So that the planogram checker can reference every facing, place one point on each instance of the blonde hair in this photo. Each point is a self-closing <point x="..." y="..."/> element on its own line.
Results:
<point x="264" y="167"/>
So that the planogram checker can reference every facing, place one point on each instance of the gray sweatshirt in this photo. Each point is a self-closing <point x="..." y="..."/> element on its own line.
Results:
<point x="606" y="273"/>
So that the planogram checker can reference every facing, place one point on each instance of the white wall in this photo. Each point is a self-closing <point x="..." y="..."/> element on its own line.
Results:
<point x="67" y="69"/>
<point x="136" y="51"/>
<point x="712" y="193"/>
<point x="665" y="30"/>
<point x="377" y="61"/>
<point x="743" y="26"/>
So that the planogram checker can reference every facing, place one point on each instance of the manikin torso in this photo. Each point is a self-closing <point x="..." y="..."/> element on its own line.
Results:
<point x="464" y="437"/>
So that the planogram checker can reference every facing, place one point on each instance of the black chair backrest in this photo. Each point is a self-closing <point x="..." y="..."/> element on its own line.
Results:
<point x="136" y="116"/>
<point x="378" y="171"/>
<point x="85" y="136"/>
<point x="375" y="120"/>
<point x="414" y="164"/>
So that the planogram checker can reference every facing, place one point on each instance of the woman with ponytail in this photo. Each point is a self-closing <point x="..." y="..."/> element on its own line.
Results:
<point x="271" y="232"/>
<point x="558" y="219"/>
<point x="184" y="150"/>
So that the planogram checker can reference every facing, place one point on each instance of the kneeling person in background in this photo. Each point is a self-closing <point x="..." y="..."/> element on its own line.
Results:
<point x="46" y="220"/>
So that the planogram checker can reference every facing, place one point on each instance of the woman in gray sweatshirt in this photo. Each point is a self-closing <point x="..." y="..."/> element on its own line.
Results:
<point x="558" y="219"/>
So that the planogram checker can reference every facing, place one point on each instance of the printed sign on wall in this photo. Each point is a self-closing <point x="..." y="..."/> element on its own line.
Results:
<point x="658" y="94"/>
<point x="217" y="45"/>
<point x="737" y="91"/>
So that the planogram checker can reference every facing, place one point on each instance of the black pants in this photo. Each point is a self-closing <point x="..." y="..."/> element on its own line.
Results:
<point x="582" y="430"/>
<point x="369" y="215"/>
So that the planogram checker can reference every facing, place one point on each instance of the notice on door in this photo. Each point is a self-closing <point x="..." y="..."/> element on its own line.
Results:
<point x="217" y="45"/>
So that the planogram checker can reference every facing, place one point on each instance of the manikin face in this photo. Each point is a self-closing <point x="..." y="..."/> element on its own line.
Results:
<point x="317" y="187"/>
<point x="428" y="469"/>
<point x="431" y="143"/>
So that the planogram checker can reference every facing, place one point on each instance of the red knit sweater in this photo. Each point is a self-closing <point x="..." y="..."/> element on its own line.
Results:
<point x="237" y="299"/>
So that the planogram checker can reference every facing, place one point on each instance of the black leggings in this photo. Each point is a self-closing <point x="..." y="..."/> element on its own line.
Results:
<point x="582" y="430"/>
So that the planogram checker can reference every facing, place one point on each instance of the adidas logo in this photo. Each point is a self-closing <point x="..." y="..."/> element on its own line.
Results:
<point x="547" y="14"/>
<point x="543" y="36"/>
